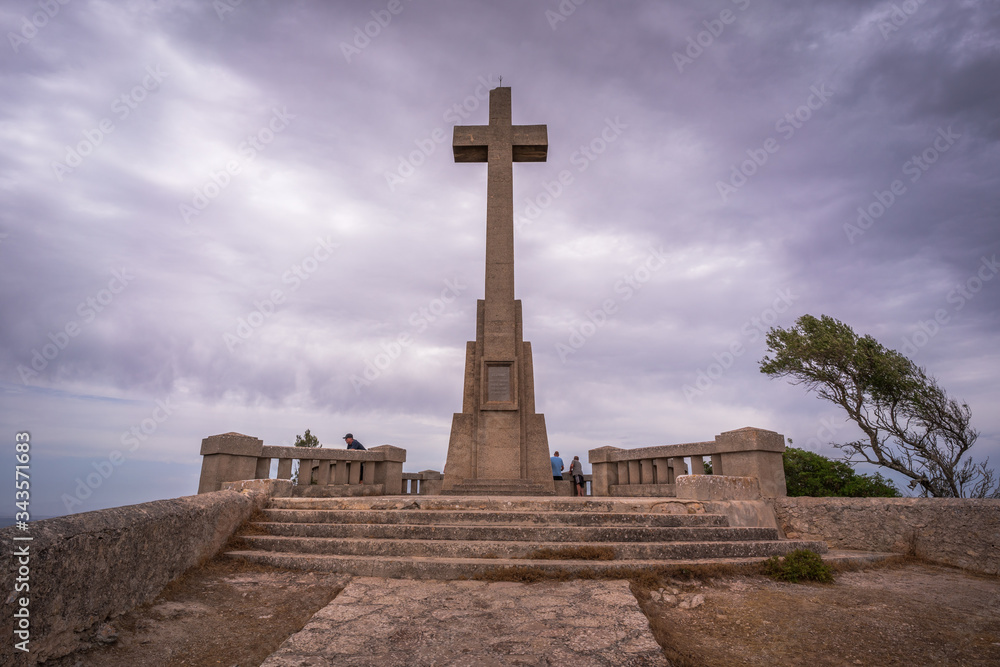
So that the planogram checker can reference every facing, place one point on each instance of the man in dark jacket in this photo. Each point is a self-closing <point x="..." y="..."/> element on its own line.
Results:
<point x="354" y="444"/>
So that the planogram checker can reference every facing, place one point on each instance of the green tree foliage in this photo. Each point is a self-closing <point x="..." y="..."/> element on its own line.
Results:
<point x="909" y="422"/>
<point x="810" y="474"/>
<point x="307" y="440"/>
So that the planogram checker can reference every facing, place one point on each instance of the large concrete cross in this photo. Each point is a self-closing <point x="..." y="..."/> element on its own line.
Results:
<point x="498" y="443"/>
<point x="500" y="144"/>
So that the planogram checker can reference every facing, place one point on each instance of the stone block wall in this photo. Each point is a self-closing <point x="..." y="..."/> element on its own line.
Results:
<point x="954" y="531"/>
<point x="90" y="567"/>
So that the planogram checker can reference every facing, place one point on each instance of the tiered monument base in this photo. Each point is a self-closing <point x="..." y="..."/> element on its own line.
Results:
<point x="498" y="443"/>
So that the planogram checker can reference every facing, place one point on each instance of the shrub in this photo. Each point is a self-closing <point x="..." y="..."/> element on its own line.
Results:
<point x="800" y="565"/>
<point x="810" y="474"/>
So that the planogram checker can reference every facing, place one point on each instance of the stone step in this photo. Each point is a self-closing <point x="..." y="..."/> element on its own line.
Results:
<point x="510" y="533"/>
<point x="480" y="517"/>
<point x="740" y="548"/>
<point x="498" y="487"/>
<point x="504" y="504"/>
<point x="456" y="568"/>
<point x="337" y="490"/>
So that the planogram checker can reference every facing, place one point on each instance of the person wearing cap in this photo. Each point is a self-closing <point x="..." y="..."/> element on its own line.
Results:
<point x="354" y="444"/>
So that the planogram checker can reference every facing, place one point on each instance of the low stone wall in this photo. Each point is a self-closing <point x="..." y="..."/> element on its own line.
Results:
<point x="565" y="487"/>
<point x="954" y="531"/>
<point x="717" y="487"/>
<point x="90" y="567"/>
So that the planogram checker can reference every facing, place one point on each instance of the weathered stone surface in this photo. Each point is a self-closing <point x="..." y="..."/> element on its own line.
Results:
<point x="955" y="531"/>
<point x="498" y="487"/>
<point x="717" y="487"/>
<point x="316" y="513"/>
<point x="398" y="622"/>
<point x="642" y="490"/>
<point x="337" y="490"/>
<point x="93" y="566"/>
<point x="232" y="443"/>
<point x="275" y="488"/>
<point x="228" y="457"/>
<point x="752" y="452"/>
<point x="739" y="512"/>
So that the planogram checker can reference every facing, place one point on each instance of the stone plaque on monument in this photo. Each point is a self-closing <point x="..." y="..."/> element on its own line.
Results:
<point x="498" y="383"/>
<point x="498" y="444"/>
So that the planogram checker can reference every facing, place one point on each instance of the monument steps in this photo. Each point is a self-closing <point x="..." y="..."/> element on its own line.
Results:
<point x="515" y="533"/>
<point x="452" y="537"/>
<point x="486" y="517"/>
<point x="522" y="550"/>
<point x="586" y="504"/>
<point x="409" y="567"/>
<point x="498" y="487"/>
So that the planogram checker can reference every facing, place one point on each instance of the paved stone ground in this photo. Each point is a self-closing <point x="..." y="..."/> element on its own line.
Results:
<point x="390" y="622"/>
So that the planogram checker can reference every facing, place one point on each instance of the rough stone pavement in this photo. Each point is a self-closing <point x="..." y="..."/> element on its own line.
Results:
<point x="390" y="622"/>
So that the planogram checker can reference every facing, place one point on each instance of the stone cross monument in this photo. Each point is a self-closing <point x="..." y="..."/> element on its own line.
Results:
<point x="498" y="444"/>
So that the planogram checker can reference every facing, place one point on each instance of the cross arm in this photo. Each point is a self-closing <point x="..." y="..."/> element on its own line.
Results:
<point x="530" y="143"/>
<point x="471" y="143"/>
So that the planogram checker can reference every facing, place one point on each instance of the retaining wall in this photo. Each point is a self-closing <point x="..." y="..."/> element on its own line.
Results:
<point x="954" y="531"/>
<point x="90" y="567"/>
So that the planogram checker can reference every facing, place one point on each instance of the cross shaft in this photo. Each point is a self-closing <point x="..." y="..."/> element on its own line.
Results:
<point x="500" y="144"/>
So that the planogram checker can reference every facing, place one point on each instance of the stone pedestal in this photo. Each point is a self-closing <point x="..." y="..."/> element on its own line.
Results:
<point x="498" y="437"/>
<point x="752" y="452"/>
<point x="228" y="457"/>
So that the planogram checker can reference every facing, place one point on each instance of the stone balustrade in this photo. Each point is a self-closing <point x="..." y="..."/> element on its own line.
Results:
<point x="655" y="471"/>
<point x="233" y="457"/>
<point x="424" y="483"/>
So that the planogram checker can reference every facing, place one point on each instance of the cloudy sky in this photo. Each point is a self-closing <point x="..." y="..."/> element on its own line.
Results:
<point x="220" y="216"/>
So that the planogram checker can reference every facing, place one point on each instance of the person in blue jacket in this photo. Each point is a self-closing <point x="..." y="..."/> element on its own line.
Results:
<point x="355" y="444"/>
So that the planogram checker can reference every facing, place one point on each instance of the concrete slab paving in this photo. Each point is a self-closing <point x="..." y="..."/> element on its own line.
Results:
<point x="390" y="622"/>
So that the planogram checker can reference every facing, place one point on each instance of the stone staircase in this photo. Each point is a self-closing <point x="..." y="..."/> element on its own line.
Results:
<point x="441" y="537"/>
<point x="498" y="487"/>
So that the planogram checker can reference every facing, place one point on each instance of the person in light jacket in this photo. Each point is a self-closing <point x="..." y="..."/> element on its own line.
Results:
<point x="576" y="472"/>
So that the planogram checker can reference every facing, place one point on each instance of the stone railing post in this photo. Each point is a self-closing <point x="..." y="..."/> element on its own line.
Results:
<point x="389" y="471"/>
<point x="231" y="457"/>
<point x="306" y="471"/>
<point x="605" y="471"/>
<point x="646" y="473"/>
<point x="431" y="482"/>
<point x="753" y="452"/>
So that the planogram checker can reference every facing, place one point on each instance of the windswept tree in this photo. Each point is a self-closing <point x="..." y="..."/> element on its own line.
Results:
<point x="910" y="424"/>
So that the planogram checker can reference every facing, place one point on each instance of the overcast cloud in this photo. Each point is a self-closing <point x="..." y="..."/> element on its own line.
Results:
<point x="216" y="217"/>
